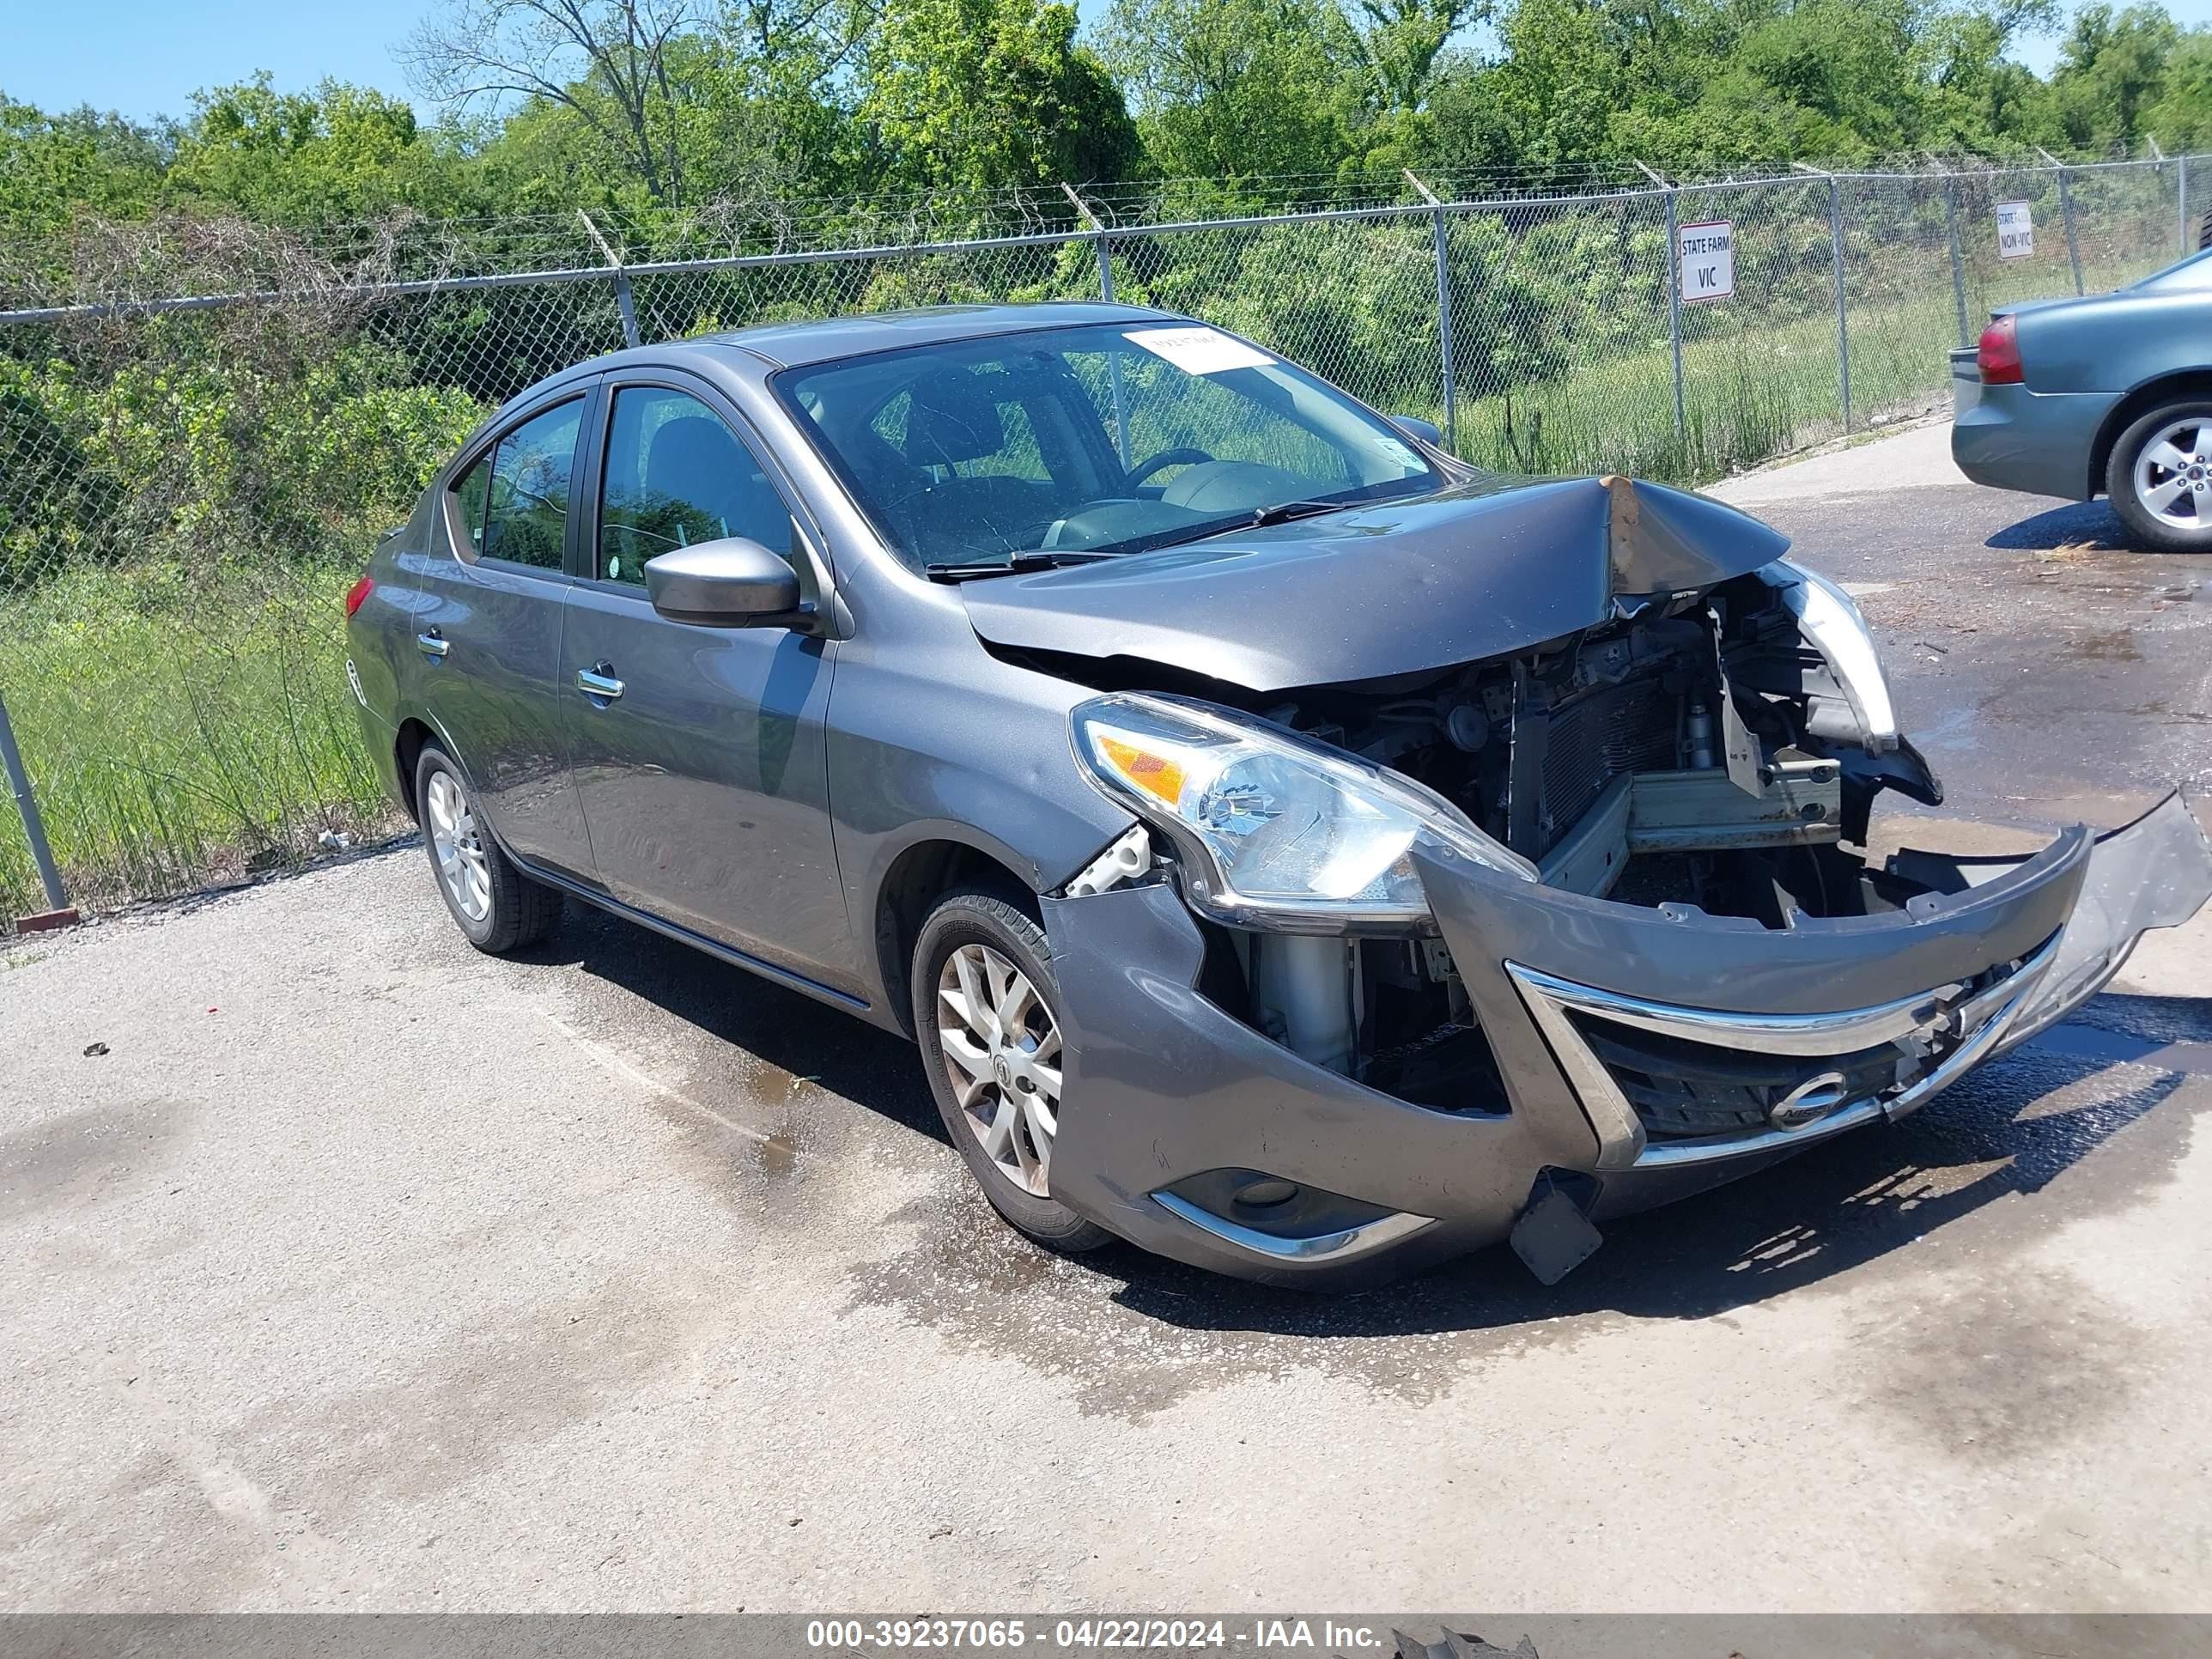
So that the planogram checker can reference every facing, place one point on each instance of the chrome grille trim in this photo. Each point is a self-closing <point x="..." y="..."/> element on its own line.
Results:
<point x="1977" y="1023"/>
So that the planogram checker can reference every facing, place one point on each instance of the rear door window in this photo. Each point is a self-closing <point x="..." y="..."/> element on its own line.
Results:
<point x="513" y="503"/>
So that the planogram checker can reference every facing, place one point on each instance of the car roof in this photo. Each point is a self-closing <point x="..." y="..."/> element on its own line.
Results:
<point x="788" y="345"/>
<point x="785" y="345"/>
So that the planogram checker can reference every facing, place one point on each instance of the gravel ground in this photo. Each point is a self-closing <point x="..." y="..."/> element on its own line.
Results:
<point x="363" y="1271"/>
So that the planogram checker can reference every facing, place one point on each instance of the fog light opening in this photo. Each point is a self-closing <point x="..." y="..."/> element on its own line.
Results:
<point x="1268" y="1193"/>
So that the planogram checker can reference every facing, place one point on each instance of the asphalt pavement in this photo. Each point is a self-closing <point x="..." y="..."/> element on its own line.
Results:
<point x="343" y="1267"/>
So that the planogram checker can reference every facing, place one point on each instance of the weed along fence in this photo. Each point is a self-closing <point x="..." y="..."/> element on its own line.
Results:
<point x="204" y="425"/>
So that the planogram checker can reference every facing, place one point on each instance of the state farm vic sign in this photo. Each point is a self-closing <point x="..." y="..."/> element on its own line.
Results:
<point x="2015" y="231"/>
<point x="1705" y="260"/>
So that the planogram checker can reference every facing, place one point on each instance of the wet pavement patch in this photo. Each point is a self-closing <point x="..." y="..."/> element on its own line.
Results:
<point x="778" y="1154"/>
<point x="1845" y="1207"/>
<point x="1989" y="1366"/>
<point x="100" y="1152"/>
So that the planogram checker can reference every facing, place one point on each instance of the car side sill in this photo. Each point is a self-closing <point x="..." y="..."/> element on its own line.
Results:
<point x="682" y="935"/>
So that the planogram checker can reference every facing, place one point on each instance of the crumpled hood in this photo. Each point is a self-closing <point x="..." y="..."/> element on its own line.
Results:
<point x="1392" y="587"/>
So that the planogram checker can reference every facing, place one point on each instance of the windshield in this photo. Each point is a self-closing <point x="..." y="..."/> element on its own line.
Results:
<point x="1076" y="442"/>
<point x="2194" y="272"/>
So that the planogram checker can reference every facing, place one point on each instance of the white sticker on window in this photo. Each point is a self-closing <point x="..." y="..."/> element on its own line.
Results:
<point x="1399" y="452"/>
<point x="1199" y="350"/>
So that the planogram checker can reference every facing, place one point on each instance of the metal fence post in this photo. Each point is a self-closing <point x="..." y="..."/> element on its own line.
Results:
<point x="1444" y="350"/>
<point x="1958" y="261"/>
<point x="34" y="828"/>
<point x="1843" y="324"/>
<point x="2181" y="204"/>
<point x="1674" y="306"/>
<point x="1104" y="243"/>
<point x="2066" y="213"/>
<point x="1673" y="288"/>
<point x="1113" y="358"/>
<point x="623" y="301"/>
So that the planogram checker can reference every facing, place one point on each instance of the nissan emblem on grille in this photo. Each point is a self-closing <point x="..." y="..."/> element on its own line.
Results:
<point x="1810" y="1100"/>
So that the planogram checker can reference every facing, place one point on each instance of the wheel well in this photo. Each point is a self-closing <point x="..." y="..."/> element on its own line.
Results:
<point x="918" y="877"/>
<point x="413" y="734"/>
<point x="2131" y="407"/>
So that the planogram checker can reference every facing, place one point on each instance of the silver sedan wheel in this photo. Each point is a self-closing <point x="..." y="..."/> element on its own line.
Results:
<point x="459" y="846"/>
<point x="1002" y="1053"/>
<point x="2174" y="474"/>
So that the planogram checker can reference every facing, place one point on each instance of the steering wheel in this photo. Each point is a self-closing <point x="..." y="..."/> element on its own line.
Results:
<point x="1183" y="456"/>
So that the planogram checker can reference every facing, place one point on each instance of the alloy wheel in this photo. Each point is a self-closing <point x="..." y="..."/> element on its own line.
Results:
<point x="2174" y="474"/>
<point x="1002" y="1051"/>
<point x="458" y="845"/>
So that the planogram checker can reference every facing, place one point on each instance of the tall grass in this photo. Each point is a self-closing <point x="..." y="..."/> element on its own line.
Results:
<point x="177" y="727"/>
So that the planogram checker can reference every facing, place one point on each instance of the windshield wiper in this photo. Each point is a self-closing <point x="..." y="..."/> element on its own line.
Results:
<point x="1280" y="513"/>
<point x="1284" y="512"/>
<point x="1040" y="560"/>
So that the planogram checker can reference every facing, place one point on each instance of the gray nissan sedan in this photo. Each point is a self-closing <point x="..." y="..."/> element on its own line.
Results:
<point x="1292" y="850"/>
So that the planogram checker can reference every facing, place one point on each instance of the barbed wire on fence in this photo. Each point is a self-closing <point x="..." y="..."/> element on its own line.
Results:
<point x="405" y="245"/>
<point x="204" y="422"/>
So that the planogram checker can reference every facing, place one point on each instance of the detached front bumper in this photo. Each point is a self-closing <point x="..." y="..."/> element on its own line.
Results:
<point x="1624" y="1035"/>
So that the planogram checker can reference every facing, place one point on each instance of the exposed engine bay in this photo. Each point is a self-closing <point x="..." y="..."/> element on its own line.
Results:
<point x="1698" y="750"/>
<point x="1660" y="748"/>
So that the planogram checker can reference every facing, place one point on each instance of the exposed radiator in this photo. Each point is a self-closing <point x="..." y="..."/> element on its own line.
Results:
<point x="1563" y="758"/>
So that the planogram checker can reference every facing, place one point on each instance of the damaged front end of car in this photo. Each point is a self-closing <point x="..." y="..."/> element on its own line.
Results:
<point x="1395" y="968"/>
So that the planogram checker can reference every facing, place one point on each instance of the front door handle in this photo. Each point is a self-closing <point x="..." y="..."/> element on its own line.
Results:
<point x="596" y="683"/>
<point x="432" y="645"/>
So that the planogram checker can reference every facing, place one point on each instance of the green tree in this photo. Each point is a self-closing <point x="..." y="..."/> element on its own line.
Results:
<point x="2112" y="70"/>
<point x="53" y="168"/>
<point x="987" y="94"/>
<point x="607" y="63"/>
<point x="1551" y="95"/>
<point x="288" y="157"/>
<point x="2182" y="117"/>
<point x="1230" y="89"/>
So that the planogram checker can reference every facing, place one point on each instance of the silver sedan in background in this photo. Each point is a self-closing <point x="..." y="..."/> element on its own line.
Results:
<point x="2110" y="394"/>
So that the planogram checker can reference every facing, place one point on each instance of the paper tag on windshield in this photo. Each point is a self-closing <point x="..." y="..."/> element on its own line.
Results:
<point x="1399" y="452"/>
<point x="1198" y="350"/>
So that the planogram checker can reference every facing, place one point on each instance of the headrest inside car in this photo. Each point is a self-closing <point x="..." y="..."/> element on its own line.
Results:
<point x="952" y="417"/>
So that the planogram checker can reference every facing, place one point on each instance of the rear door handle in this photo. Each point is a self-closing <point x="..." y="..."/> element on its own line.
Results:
<point x="605" y="688"/>
<point x="432" y="645"/>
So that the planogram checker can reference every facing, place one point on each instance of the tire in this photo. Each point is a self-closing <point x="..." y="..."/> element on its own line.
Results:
<point x="2133" y="478"/>
<point x="472" y="871"/>
<point x="986" y="925"/>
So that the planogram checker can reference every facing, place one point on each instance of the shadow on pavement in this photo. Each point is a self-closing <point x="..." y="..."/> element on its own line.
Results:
<point x="2010" y="1128"/>
<point x="2076" y="523"/>
<point x="781" y="1027"/>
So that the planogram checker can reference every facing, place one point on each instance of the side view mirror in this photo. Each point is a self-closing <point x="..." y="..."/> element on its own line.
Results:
<point x="732" y="583"/>
<point x="1414" y="427"/>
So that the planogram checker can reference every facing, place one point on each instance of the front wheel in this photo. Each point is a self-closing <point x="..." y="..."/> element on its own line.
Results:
<point x="494" y="904"/>
<point x="987" y="1014"/>
<point x="2159" y="477"/>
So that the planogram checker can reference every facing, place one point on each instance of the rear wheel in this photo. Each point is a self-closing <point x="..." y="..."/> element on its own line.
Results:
<point x="986" y="1013"/>
<point x="493" y="903"/>
<point x="2160" y="478"/>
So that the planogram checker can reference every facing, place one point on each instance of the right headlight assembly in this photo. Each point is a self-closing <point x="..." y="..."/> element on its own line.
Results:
<point x="1832" y="623"/>
<point x="1276" y="831"/>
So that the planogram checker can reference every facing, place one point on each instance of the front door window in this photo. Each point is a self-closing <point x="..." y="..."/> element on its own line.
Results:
<point x="676" y="476"/>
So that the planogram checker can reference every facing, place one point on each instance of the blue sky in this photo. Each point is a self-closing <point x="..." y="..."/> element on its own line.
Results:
<point x="147" y="57"/>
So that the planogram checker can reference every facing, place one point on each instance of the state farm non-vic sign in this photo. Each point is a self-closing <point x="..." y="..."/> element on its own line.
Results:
<point x="1704" y="255"/>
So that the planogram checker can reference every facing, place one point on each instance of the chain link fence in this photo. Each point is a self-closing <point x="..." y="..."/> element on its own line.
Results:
<point x="188" y="484"/>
